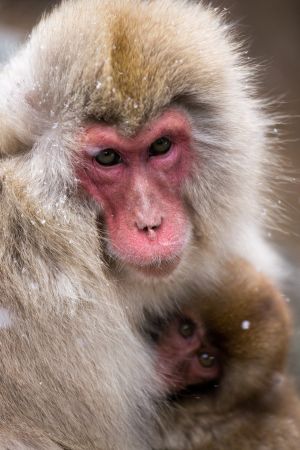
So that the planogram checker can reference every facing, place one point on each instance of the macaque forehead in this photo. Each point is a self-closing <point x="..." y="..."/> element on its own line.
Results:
<point x="172" y="122"/>
<point x="135" y="79"/>
<point x="144" y="72"/>
<point x="125" y="61"/>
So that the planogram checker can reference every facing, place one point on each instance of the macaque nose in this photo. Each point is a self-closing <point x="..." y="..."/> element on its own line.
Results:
<point x="149" y="227"/>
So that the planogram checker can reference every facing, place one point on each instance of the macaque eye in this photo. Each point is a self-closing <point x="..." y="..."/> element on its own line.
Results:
<point x="108" y="157"/>
<point x="187" y="328"/>
<point x="160" y="146"/>
<point x="207" y="360"/>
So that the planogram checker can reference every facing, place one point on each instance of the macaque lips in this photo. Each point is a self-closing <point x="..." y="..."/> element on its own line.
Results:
<point x="138" y="183"/>
<point x="158" y="269"/>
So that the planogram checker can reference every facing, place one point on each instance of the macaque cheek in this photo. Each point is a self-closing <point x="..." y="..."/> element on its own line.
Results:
<point x="142" y="246"/>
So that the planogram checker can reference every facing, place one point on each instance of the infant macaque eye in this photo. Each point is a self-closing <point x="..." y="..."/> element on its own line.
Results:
<point x="187" y="328"/>
<point x="108" y="157"/>
<point x="206" y="360"/>
<point x="160" y="146"/>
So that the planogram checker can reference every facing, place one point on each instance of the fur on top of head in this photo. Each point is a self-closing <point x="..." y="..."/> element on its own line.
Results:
<point x="120" y="61"/>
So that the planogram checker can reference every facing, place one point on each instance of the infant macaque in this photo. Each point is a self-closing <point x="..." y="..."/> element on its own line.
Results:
<point x="223" y="358"/>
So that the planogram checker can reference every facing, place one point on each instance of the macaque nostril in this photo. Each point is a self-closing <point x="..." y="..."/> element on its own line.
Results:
<point x="149" y="229"/>
<point x="150" y="232"/>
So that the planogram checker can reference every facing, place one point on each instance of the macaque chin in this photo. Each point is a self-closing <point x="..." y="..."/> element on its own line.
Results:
<point x="138" y="182"/>
<point x="223" y="359"/>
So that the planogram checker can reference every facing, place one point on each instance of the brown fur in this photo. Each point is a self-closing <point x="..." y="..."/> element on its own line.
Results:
<point x="254" y="404"/>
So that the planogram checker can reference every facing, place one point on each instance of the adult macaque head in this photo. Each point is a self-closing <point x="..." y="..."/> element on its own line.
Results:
<point x="138" y="182"/>
<point x="152" y="121"/>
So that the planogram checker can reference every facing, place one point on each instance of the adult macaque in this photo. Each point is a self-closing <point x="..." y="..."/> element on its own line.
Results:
<point x="132" y="167"/>
<point x="230" y="351"/>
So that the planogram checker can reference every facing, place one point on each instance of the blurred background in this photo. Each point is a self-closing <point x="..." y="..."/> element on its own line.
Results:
<point x="272" y="29"/>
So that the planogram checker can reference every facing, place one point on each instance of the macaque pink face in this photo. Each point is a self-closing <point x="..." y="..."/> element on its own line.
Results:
<point x="138" y="183"/>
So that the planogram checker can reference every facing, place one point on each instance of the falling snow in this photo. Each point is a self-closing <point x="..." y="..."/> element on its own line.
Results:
<point x="245" y="325"/>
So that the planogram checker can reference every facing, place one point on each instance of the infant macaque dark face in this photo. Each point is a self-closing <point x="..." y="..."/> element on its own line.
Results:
<point x="186" y="355"/>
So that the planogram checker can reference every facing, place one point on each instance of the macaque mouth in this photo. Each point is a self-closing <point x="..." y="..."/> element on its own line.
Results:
<point x="150" y="267"/>
<point x="155" y="266"/>
<point x="156" y="257"/>
<point x="158" y="269"/>
<point x="158" y="250"/>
